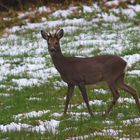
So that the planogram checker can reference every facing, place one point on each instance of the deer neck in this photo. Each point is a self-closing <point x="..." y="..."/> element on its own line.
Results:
<point x="58" y="61"/>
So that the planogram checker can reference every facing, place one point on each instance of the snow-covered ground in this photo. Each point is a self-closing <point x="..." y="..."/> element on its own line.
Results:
<point x="50" y="126"/>
<point x="31" y="114"/>
<point x="26" y="59"/>
<point x="34" y="65"/>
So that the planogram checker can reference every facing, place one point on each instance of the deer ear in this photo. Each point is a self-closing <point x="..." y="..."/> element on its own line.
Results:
<point x="44" y="35"/>
<point x="60" y="33"/>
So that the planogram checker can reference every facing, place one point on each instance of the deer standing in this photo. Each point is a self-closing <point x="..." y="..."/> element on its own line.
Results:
<point x="79" y="72"/>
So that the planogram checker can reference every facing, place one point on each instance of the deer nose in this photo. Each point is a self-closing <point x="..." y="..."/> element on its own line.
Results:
<point x="52" y="49"/>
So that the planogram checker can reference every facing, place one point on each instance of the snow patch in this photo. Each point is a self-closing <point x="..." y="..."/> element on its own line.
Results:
<point x="104" y="132"/>
<point x="34" y="99"/>
<point x="95" y="102"/>
<point x="128" y="100"/>
<point x="59" y="84"/>
<point x="26" y="82"/>
<point x="50" y="126"/>
<point x="136" y="72"/>
<point x="100" y="91"/>
<point x="109" y="18"/>
<point x="14" y="127"/>
<point x="135" y="7"/>
<point x="5" y="94"/>
<point x="110" y="132"/>
<point x="57" y="114"/>
<point x="62" y="13"/>
<point x="32" y="114"/>
<point x="132" y="59"/>
<point x="79" y="114"/>
<point x="87" y="9"/>
<point x="131" y="121"/>
<point x="120" y="115"/>
<point x="114" y="2"/>
<point x="108" y="122"/>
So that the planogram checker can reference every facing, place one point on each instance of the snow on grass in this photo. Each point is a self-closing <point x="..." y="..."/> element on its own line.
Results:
<point x="27" y="62"/>
<point x="43" y="9"/>
<point x="114" y="2"/>
<point x="43" y="74"/>
<point x="87" y="9"/>
<point x="79" y="114"/>
<point x="34" y="99"/>
<point x="95" y="102"/>
<point x="59" y="84"/>
<point x="131" y="121"/>
<point x="34" y="64"/>
<point x="86" y="115"/>
<point x="128" y="100"/>
<point x="5" y="94"/>
<point x="33" y="12"/>
<point x="130" y="11"/>
<point x="50" y="24"/>
<point x="120" y="115"/>
<point x="104" y="132"/>
<point x="50" y="126"/>
<point x="108" y="122"/>
<point x="109" y="18"/>
<point x="124" y="138"/>
<point x="26" y="82"/>
<point x="34" y="67"/>
<point x="62" y="13"/>
<point x="132" y="59"/>
<point x="13" y="127"/>
<point x="90" y="42"/>
<point x="136" y="72"/>
<point x="136" y="7"/>
<point x="110" y="132"/>
<point x="32" y="114"/>
<point x="57" y="114"/>
<point x="100" y="91"/>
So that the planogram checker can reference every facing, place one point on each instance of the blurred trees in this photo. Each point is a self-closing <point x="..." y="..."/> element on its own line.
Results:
<point x="6" y="5"/>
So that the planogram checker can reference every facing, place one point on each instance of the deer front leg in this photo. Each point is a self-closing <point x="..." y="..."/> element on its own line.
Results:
<point x="68" y="97"/>
<point x="84" y="94"/>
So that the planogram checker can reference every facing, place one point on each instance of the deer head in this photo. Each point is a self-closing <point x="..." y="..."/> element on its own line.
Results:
<point x="53" y="41"/>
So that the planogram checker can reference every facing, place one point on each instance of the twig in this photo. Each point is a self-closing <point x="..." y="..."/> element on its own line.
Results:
<point x="4" y="6"/>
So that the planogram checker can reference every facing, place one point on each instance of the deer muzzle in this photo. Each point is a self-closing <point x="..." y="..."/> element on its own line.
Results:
<point x="52" y="49"/>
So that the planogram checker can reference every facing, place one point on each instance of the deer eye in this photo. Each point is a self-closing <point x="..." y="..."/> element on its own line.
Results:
<point x="56" y="43"/>
<point x="48" y="43"/>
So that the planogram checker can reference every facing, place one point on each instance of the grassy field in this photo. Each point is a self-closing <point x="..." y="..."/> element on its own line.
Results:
<point x="32" y="94"/>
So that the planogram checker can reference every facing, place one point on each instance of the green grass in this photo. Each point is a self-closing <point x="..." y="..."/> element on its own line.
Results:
<point x="53" y="101"/>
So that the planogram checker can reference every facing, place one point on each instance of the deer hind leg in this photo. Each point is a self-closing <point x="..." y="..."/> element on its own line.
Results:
<point x="84" y="94"/>
<point x="68" y="97"/>
<point x="132" y="91"/>
<point x="116" y="96"/>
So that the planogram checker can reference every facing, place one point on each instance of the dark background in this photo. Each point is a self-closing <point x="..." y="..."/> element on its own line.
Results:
<point x="23" y="4"/>
<point x="5" y="5"/>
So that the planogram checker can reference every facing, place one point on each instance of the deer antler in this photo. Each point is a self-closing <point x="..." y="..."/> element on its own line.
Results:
<point x="49" y="34"/>
<point x="55" y="34"/>
<point x="57" y="29"/>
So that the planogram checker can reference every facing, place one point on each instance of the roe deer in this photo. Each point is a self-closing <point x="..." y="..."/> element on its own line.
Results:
<point x="79" y="72"/>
